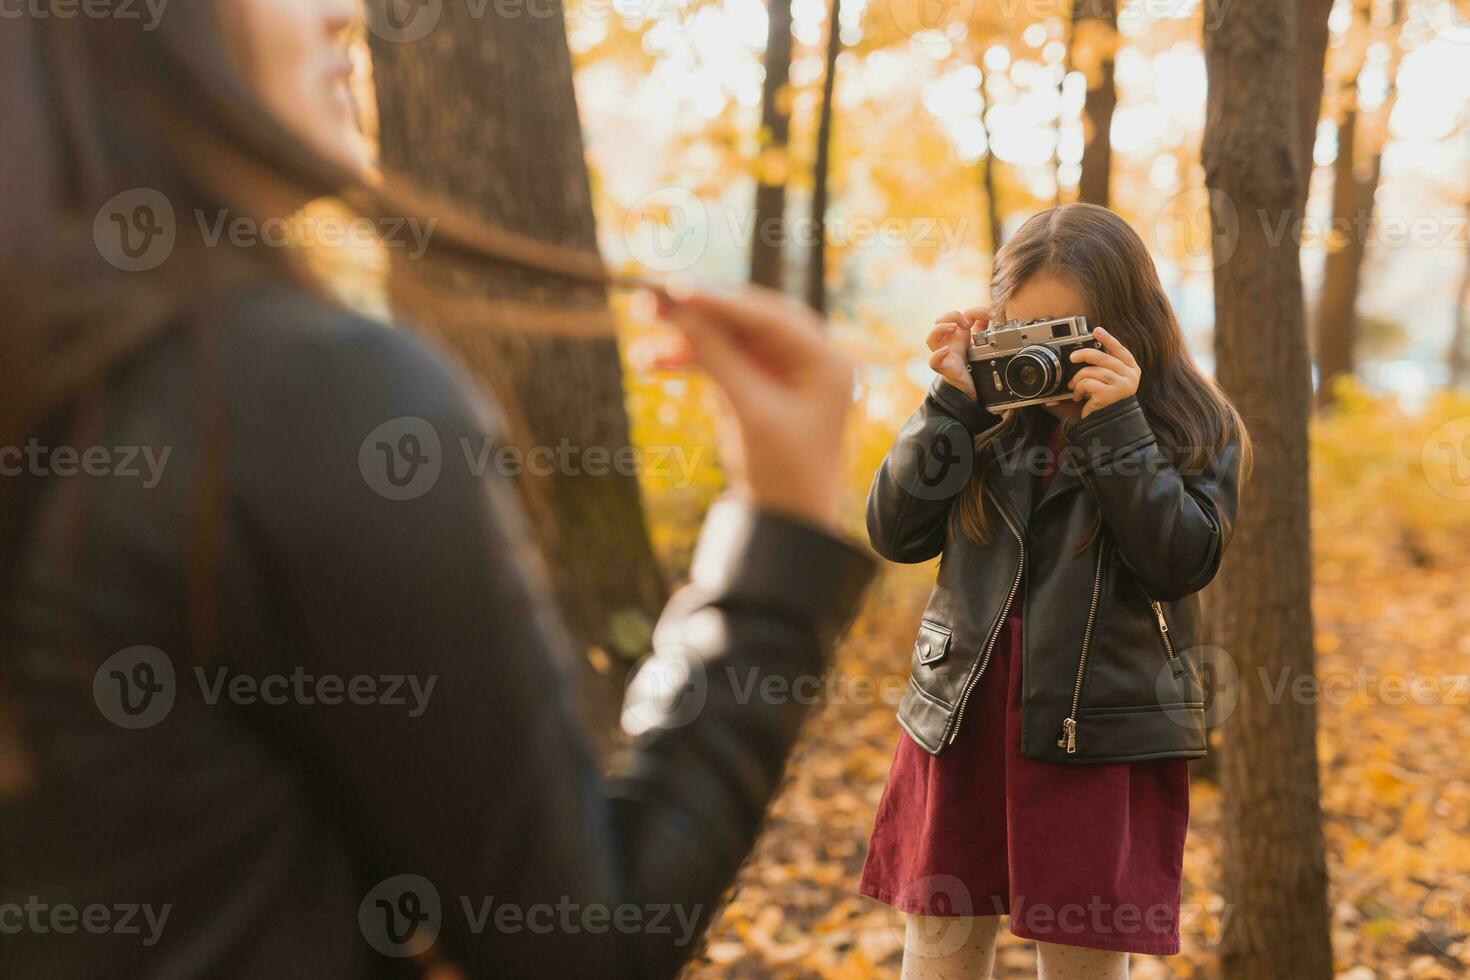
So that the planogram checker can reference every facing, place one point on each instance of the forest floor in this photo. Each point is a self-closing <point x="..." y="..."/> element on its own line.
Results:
<point x="1393" y="642"/>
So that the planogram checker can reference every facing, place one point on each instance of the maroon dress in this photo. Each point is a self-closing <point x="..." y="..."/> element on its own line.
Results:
<point x="1084" y="855"/>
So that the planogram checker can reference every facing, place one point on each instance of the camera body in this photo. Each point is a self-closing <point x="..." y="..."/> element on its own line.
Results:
<point x="1014" y="364"/>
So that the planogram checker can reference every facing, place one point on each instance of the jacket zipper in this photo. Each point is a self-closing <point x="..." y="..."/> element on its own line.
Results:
<point x="1068" y="740"/>
<point x="1175" y="664"/>
<point x="994" y="630"/>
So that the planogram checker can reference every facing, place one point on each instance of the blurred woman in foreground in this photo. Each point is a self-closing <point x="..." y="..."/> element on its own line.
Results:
<point x="263" y="714"/>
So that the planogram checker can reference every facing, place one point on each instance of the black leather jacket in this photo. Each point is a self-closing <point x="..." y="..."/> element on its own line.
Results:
<point x="266" y="832"/>
<point x="1113" y="636"/>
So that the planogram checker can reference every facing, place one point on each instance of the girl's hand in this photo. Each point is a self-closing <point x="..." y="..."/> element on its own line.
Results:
<point x="1112" y="374"/>
<point x="950" y="343"/>
<point x="787" y="388"/>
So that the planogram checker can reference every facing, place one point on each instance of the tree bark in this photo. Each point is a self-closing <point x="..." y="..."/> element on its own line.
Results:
<point x="1275" y="879"/>
<point x="816" y="273"/>
<point x="1099" y="18"/>
<point x="767" y="246"/>
<point x="482" y="110"/>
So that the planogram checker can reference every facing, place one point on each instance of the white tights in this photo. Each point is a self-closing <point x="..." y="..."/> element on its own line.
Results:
<point x="944" y="948"/>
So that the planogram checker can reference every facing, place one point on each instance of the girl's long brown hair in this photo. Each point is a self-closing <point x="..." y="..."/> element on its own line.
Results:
<point x="1100" y="256"/>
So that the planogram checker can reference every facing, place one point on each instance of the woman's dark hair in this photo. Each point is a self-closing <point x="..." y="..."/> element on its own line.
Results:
<point x="1099" y="255"/>
<point x="97" y="107"/>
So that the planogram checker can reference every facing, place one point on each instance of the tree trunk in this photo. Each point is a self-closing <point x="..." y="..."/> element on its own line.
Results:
<point x="1311" y="64"/>
<point x="1354" y="190"/>
<point x="1095" y="25"/>
<point x="1336" y="333"/>
<point x="767" y="246"/>
<point x="483" y="110"/>
<point x="1459" y="356"/>
<point x="988" y="183"/>
<point x="816" y="273"/>
<point x="1275" y="879"/>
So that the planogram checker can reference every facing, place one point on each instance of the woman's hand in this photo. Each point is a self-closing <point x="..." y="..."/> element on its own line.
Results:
<point x="950" y="343"/>
<point x="1112" y="374"/>
<point x="787" y="388"/>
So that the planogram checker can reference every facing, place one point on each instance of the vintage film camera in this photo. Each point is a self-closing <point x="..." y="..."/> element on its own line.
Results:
<point x="1015" y="364"/>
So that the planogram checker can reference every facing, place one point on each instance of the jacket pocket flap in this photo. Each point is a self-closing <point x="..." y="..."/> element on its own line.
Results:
<point x="932" y="644"/>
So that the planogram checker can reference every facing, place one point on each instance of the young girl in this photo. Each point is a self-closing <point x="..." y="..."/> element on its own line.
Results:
<point x="1053" y="701"/>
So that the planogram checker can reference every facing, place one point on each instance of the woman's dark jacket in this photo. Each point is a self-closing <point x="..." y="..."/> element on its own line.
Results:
<point x="1113" y="635"/>
<point x="331" y="826"/>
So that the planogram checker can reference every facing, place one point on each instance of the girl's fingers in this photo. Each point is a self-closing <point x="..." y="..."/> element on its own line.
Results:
<point x="1114" y="347"/>
<point x="953" y="316"/>
<point x="1090" y="355"/>
<point x="1086" y="388"/>
<point x="939" y="337"/>
<point x="936" y="359"/>
<point x="1104" y="375"/>
<point x="979" y="316"/>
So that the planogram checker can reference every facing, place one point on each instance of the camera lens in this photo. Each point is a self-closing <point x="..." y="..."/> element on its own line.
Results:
<point x="1033" y="372"/>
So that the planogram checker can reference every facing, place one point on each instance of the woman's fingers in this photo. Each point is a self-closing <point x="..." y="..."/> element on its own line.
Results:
<point x="778" y="330"/>
<point x="787" y="388"/>
<point x="667" y="351"/>
<point x="953" y="316"/>
<point x="714" y="348"/>
<point x="1115" y="347"/>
